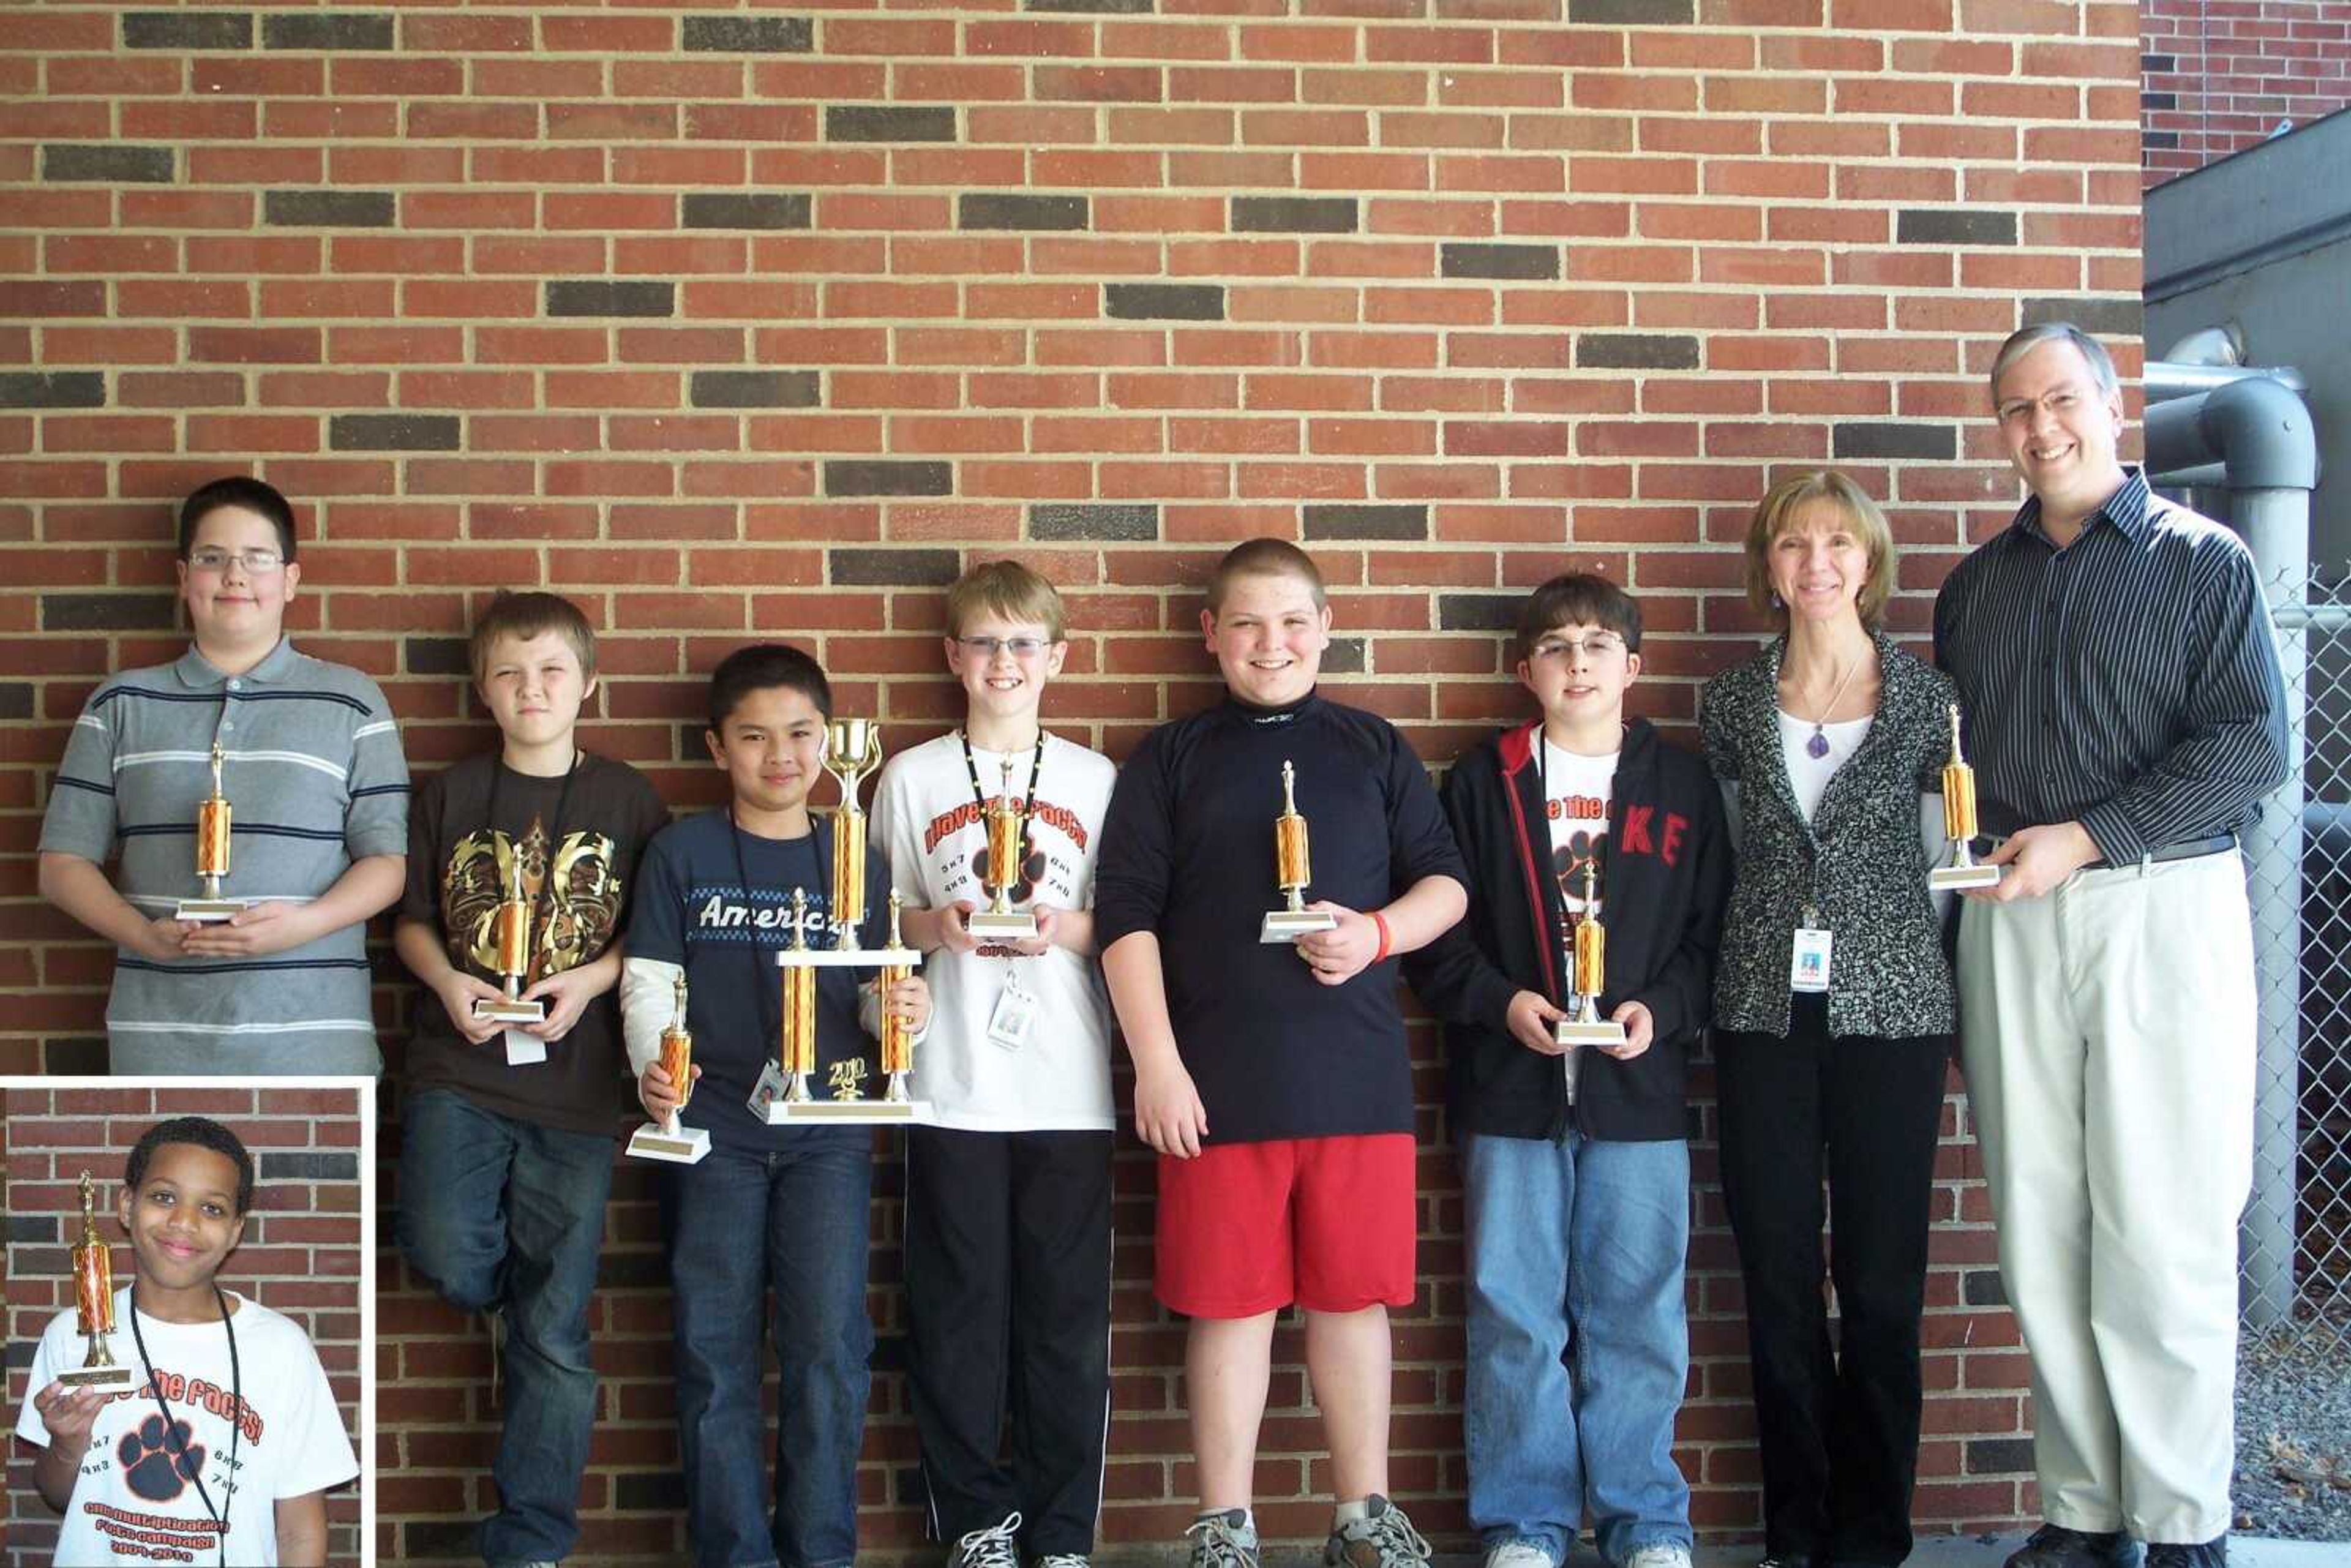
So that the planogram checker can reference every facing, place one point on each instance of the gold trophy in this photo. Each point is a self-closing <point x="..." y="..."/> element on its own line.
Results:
<point x="1587" y="958"/>
<point x="672" y="1140"/>
<point x="784" y="1092"/>
<point x="898" y="1034"/>
<point x="211" y="858"/>
<point x="1294" y="868"/>
<point x="1007" y="844"/>
<point x="1959" y="823"/>
<point x="853" y="749"/>
<point x="511" y="928"/>
<point x="93" y="1272"/>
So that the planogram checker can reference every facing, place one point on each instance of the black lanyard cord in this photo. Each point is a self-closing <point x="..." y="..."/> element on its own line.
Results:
<point x="979" y="795"/>
<point x="236" y="1414"/>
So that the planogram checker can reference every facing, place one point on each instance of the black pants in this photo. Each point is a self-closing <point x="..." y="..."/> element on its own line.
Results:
<point x="1839" y="1430"/>
<point x="1007" y="1311"/>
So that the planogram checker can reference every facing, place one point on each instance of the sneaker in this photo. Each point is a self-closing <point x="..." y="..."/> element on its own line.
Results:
<point x="1384" y="1538"/>
<point x="1224" y="1539"/>
<point x="997" y="1546"/>
<point x="1659" y="1554"/>
<point x="2055" y="1546"/>
<point x="1061" y="1559"/>
<point x="1520" y="1554"/>
<point x="2213" y="1553"/>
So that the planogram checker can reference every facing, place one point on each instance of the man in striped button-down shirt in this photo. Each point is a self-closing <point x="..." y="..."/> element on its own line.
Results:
<point x="2126" y="716"/>
<point x="313" y="772"/>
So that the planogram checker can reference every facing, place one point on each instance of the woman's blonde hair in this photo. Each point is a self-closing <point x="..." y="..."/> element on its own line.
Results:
<point x="1775" y="514"/>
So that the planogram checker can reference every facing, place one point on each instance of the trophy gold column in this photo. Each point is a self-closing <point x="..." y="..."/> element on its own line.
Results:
<point x="93" y="1274"/>
<point x="784" y="1092"/>
<point x="511" y="930"/>
<point x="1000" y="871"/>
<point x="1294" y="868"/>
<point x="1960" y="824"/>
<point x="896" y="1034"/>
<point x="672" y="1140"/>
<point x="1587" y="958"/>
<point x="853" y="749"/>
<point x="211" y="857"/>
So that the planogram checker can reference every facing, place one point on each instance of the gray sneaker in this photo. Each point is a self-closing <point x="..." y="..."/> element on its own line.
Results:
<point x="1384" y="1538"/>
<point x="1062" y="1559"/>
<point x="997" y="1546"/>
<point x="1225" y="1538"/>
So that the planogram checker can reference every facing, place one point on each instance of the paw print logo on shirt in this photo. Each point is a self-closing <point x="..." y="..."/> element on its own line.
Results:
<point x="159" y="1461"/>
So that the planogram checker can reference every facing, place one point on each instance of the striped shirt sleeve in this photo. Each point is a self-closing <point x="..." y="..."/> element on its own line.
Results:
<point x="376" y="823"/>
<point x="80" y="820"/>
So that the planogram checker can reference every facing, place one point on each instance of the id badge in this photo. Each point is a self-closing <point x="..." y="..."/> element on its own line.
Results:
<point x="1809" y="968"/>
<point x="524" y="1050"/>
<point x="1015" y="1015"/>
<point x="768" y="1089"/>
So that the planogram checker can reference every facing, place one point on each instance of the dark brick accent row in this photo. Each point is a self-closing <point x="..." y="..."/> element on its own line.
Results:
<point x="889" y="122"/>
<point x="1981" y="1288"/>
<point x="1355" y="520"/>
<point x="393" y="433"/>
<point x="749" y="35"/>
<point x="1294" y="215"/>
<point x="1164" y="301"/>
<point x="2156" y="65"/>
<point x="436" y="656"/>
<point x="107" y="611"/>
<point x="738" y="210"/>
<point x="1632" y="13"/>
<point x="1636" y="351"/>
<point x="1999" y="1456"/>
<point x="892" y="567"/>
<point x="883" y="477"/>
<point x="15" y="699"/>
<point x="329" y="209"/>
<point x="1015" y="210"/>
<point x="1478" y="611"/>
<point x="664" y="1492"/>
<point x="1868" y="438"/>
<point x="2162" y="140"/>
<point x="1346" y="656"/>
<point x="1944" y="225"/>
<point x="187" y="29"/>
<point x="31" y="1229"/>
<point x="2147" y="101"/>
<point x="754" y="389"/>
<point x="1121" y="522"/>
<point x="53" y="389"/>
<point x="116" y="164"/>
<point x="1094" y="7"/>
<point x="1515" y="261"/>
<point x="304" y="1166"/>
<point x="2111" y="316"/>
<point x="603" y="297"/>
<point x="335" y="30"/>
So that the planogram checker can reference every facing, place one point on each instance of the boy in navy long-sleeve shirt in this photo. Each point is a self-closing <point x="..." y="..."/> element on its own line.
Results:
<point x="1273" y="1079"/>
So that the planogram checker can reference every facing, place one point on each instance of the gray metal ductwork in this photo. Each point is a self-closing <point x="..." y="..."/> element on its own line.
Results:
<point x="2257" y="428"/>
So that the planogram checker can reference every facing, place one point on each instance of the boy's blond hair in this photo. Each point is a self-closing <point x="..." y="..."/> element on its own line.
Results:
<point x="1009" y="591"/>
<point x="1264" y="557"/>
<point x="524" y="616"/>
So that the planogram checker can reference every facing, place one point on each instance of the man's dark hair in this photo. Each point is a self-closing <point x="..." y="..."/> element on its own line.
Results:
<point x="237" y="490"/>
<point x="204" y="1134"/>
<point x="759" y="666"/>
<point x="1578" y="599"/>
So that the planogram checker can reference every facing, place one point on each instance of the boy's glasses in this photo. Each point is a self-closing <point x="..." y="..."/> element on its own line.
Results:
<point x="257" y="563"/>
<point x="988" y="647"/>
<point x="1595" y="646"/>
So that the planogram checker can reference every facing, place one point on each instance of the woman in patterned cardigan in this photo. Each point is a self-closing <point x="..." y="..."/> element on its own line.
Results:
<point x="1834" y="1017"/>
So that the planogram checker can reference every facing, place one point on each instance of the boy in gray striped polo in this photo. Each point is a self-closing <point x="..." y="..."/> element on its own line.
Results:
<point x="311" y="766"/>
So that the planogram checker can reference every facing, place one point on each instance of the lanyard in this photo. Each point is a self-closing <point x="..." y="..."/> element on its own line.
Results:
<point x="979" y="796"/>
<point x="769" y="994"/>
<point x="554" y="842"/>
<point x="236" y="1414"/>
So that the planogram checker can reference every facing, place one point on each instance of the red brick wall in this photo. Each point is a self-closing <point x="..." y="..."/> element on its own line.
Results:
<point x="2219" y="75"/>
<point x="301" y="1252"/>
<point x="732" y="323"/>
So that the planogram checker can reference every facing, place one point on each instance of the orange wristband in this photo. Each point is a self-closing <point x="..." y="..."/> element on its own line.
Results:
<point x="1387" y="938"/>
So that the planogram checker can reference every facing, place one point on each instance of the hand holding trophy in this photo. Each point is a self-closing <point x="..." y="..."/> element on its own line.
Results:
<point x="1959" y="823"/>
<point x="672" y="1139"/>
<point x="93" y="1274"/>
<point x="1294" y="868"/>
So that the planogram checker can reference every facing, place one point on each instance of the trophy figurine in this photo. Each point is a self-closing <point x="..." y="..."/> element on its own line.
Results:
<point x="93" y="1272"/>
<point x="211" y="857"/>
<point x="1588" y="970"/>
<point x="1959" y="823"/>
<point x="672" y="1140"/>
<point x="1007" y="841"/>
<point x="1294" y="868"/>
<point x="853" y="749"/>
<point x="783" y="1093"/>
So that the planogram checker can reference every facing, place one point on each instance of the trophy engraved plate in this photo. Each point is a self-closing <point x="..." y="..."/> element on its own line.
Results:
<point x="211" y="858"/>
<point x="1587" y="958"/>
<point x="672" y="1140"/>
<point x="786" y="1091"/>
<point x="1294" y="868"/>
<point x="853" y="749"/>
<point x="1962" y="870"/>
<point x="1007" y="844"/>
<point x="93" y="1275"/>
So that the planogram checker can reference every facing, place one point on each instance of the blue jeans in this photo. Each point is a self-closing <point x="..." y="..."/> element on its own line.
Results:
<point x="500" y="1213"/>
<point x="790" y="1220"/>
<point x="1576" y="1260"/>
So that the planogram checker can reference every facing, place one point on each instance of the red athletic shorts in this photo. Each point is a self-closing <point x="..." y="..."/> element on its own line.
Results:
<point x="1246" y="1229"/>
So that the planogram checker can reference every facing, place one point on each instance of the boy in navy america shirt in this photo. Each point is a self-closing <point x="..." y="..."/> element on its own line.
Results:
<point x="1273" y="1079"/>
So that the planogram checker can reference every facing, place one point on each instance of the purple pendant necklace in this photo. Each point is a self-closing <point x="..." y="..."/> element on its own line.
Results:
<point x="1818" y="746"/>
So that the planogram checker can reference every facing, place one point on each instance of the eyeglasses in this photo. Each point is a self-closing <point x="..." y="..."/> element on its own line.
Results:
<point x="988" y="647"/>
<point x="1594" y="646"/>
<point x="2056" y="404"/>
<point x="257" y="563"/>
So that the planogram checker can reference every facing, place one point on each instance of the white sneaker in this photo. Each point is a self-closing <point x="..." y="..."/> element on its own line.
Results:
<point x="1062" y="1559"/>
<point x="997" y="1546"/>
<point x="1520" y="1554"/>
<point x="1659" y="1554"/>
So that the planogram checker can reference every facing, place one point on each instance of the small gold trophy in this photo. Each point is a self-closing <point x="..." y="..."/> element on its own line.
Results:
<point x="512" y="929"/>
<point x="783" y="1093"/>
<point x="1007" y="844"/>
<point x="1588" y="973"/>
<point x="853" y="749"/>
<point x="672" y="1140"/>
<point x="1959" y="823"/>
<point x="93" y="1271"/>
<point x="1294" y="868"/>
<point x="211" y="858"/>
<point x="898" y="1034"/>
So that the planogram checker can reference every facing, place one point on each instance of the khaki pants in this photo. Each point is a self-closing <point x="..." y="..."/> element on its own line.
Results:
<point x="2108" y="1032"/>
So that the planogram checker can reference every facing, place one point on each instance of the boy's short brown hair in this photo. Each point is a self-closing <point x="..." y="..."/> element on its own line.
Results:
<point x="1264" y="557"/>
<point x="1009" y="591"/>
<point x="523" y="616"/>
<point x="1578" y="599"/>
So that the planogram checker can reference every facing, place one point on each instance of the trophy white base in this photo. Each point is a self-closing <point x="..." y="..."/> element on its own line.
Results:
<point x="524" y="1050"/>
<point x="508" y="1009"/>
<point x="1013" y="926"/>
<point x="98" y="1378"/>
<point x="1944" y="878"/>
<point x="1568" y="1031"/>
<point x="1289" y="925"/>
<point x="847" y="958"/>
<point x="845" y="1112"/>
<point x="680" y="1145"/>
<point x="210" y="911"/>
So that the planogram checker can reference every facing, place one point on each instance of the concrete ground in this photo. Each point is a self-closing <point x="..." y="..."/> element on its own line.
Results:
<point x="1932" y="1552"/>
